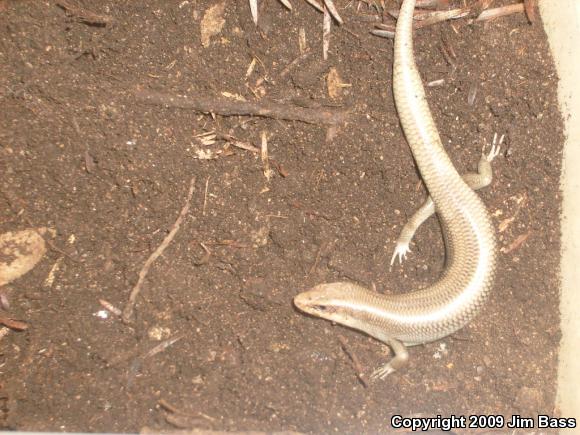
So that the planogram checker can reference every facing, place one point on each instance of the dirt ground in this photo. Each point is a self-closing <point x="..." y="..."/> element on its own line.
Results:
<point x="215" y="342"/>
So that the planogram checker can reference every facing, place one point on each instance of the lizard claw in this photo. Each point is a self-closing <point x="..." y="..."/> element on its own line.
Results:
<point x="495" y="148"/>
<point x="382" y="372"/>
<point x="401" y="251"/>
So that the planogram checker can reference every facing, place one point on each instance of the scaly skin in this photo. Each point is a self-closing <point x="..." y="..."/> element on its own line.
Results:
<point x="455" y="299"/>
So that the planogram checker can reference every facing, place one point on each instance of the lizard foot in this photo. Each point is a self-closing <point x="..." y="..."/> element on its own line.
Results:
<point x="495" y="148"/>
<point x="382" y="372"/>
<point x="401" y="251"/>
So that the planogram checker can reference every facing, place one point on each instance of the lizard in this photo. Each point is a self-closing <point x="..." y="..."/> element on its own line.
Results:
<point x="450" y="303"/>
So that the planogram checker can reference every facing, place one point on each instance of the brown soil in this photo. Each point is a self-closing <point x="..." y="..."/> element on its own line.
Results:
<point x="80" y="154"/>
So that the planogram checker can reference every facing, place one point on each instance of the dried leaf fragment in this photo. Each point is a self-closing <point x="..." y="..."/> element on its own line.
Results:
<point x="334" y="84"/>
<point x="20" y="251"/>
<point x="212" y="22"/>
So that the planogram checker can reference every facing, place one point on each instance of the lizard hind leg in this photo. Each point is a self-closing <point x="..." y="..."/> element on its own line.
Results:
<point x="476" y="180"/>
<point x="399" y="360"/>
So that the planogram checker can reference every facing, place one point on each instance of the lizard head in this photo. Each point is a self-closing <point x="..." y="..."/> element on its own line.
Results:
<point x="333" y="301"/>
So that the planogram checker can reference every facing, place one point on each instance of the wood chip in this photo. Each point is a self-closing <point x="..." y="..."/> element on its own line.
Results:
<point x="333" y="11"/>
<point x="287" y="4"/>
<point x="333" y="83"/>
<point x="268" y="173"/>
<point x="316" y="5"/>
<point x="327" y="21"/>
<point x="302" y="40"/>
<point x="254" y="11"/>
<point x="516" y="243"/>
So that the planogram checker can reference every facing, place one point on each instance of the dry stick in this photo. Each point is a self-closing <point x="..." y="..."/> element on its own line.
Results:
<point x="128" y="311"/>
<point x="333" y="11"/>
<point x="315" y="4"/>
<point x="264" y="155"/>
<point x="388" y="31"/>
<point x="254" y="11"/>
<point x="84" y="14"/>
<point x="287" y="4"/>
<point x="292" y="64"/>
<point x="162" y="346"/>
<point x="357" y="366"/>
<point x="439" y="4"/>
<point x="16" y="325"/>
<point x="490" y="14"/>
<point x="317" y="259"/>
<point x="220" y="105"/>
<point x="175" y="410"/>
<point x="326" y="22"/>
<point x="136" y="364"/>
<point x="205" y="195"/>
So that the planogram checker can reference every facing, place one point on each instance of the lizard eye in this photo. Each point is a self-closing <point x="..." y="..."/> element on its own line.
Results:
<point x="325" y="309"/>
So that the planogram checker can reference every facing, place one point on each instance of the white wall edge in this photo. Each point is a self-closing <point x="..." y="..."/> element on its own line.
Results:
<point x="562" y="24"/>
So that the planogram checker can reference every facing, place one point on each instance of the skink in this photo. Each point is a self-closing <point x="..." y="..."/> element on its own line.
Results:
<point x="450" y="303"/>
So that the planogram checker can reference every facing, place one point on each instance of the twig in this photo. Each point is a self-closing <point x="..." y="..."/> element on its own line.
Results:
<point x="17" y="325"/>
<point x="333" y="11"/>
<point x="110" y="307"/>
<point x="128" y="311"/>
<point x="430" y="18"/>
<point x="315" y="4"/>
<point x="254" y="11"/>
<point x="317" y="259"/>
<point x="162" y="346"/>
<point x="292" y="64"/>
<point x="220" y="105"/>
<point x="249" y="147"/>
<point x="326" y="22"/>
<point x="448" y="53"/>
<point x="84" y="15"/>
<point x="490" y="14"/>
<point x="504" y="225"/>
<point x="205" y="196"/>
<point x="516" y="243"/>
<point x="425" y="18"/>
<point x="264" y="156"/>
<point x="435" y="4"/>
<point x="287" y="4"/>
<point x="355" y="361"/>
<point x="175" y="410"/>
<point x="136" y="364"/>
<point x="421" y="20"/>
